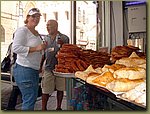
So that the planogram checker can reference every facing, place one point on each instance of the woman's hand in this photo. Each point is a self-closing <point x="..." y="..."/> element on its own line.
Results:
<point x="41" y="47"/>
<point x="38" y="48"/>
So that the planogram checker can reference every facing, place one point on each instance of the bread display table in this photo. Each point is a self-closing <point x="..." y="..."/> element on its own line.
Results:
<point x="100" y="98"/>
<point x="84" y="96"/>
<point x="109" y="100"/>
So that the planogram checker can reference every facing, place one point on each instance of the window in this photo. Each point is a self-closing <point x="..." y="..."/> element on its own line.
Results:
<point x="44" y="15"/>
<point x="56" y="15"/>
<point x="67" y="15"/>
<point x="79" y="14"/>
<point x="84" y="17"/>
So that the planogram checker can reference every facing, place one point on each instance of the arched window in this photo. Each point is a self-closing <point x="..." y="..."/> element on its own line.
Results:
<point x="2" y="34"/>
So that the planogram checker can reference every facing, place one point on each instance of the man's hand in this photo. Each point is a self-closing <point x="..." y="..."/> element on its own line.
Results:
<point x="60" y="41"/>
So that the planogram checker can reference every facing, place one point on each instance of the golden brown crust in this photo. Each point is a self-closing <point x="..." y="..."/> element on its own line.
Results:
<point x="113" y="67"/>
<point x="131" y="62"/>
<point x="130" y="73"/>
<point x="81" y="75"/>
<point x="104" y="79"/>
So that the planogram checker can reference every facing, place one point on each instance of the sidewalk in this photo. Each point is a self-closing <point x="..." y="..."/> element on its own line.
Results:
<point x="51" y="103"/>
<point x="5" y="94"/>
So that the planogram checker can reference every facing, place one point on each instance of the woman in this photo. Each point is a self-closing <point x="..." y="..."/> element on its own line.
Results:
<point x="29" y="48"/>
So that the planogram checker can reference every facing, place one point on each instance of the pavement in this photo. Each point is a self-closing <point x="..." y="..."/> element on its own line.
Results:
<point x="51" y="103"/>
<point x="6" y="88"/>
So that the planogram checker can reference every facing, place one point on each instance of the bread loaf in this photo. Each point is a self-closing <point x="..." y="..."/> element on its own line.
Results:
<point x="123" y="85"/>
<point x="131" y="62"/>
<point x="104" y="78"/>
<point x="99" y="70"/>
<point x="81" y="75"/>
<point x="139" y="88"/>
<point x="129" y="93"/>
<point x="142" y="65"/>
<point x="90" y="80"/>
<point x="135" y="95"/>
<point x="130" y="73"/>
<point x="112" y="68"/>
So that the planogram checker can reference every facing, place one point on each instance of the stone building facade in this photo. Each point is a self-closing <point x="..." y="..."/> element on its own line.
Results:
<point x="13" y="14"/>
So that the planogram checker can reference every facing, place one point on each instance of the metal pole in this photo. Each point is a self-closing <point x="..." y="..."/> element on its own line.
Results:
<point x="73" y="22"/>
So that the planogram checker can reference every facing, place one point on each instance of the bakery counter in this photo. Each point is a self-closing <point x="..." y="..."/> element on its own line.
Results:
<point x="105" y="99"/>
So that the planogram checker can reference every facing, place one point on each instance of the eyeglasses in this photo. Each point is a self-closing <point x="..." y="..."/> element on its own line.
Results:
<point x="35" y="16"/>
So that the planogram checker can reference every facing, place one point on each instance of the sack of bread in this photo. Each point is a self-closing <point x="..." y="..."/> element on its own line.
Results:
<point x="137" y="94"/>
<point x="141" y="99"/>
<point x="123" y="85"/>
<point x="139" y="88"/>
<point x="131" y="73"/>
<point x="129" y="93"/>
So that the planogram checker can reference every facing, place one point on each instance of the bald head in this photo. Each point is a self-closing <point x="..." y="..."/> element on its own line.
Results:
<point x="52" y="23"/>
<point x="52" y="27"/>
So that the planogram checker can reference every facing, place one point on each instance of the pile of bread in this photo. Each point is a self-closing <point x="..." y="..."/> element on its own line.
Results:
<point x="119" y="52"/>
<point x="123" y="76"/>
<point x="137" y="94"/>
<point x="72" y="58"/>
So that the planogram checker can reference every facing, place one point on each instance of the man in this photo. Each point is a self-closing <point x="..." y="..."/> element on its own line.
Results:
<point x="50" y="83"/>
